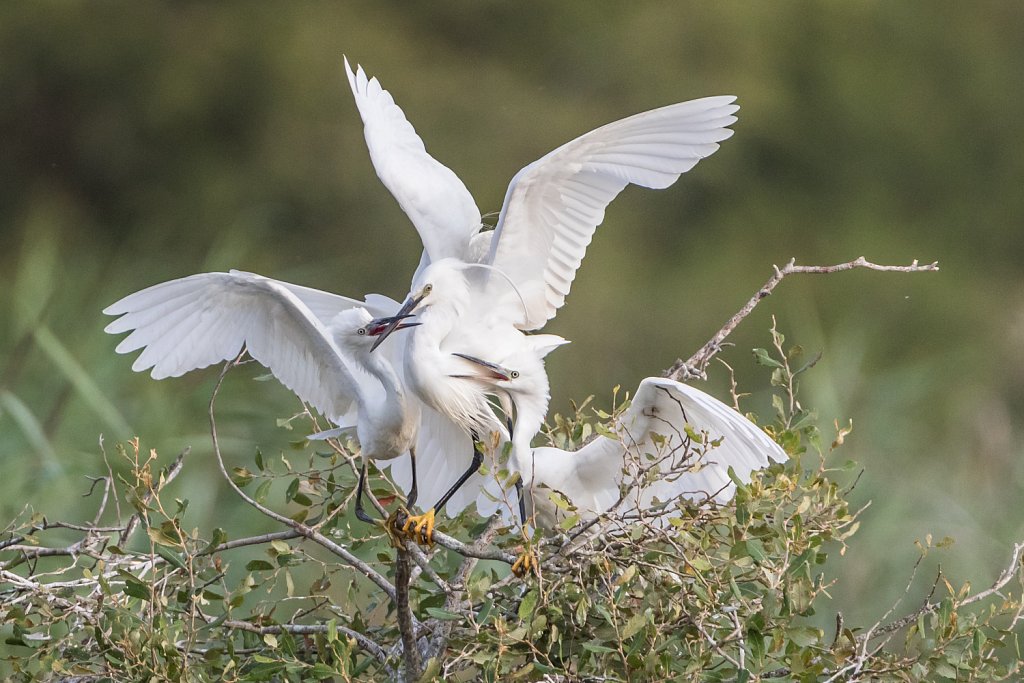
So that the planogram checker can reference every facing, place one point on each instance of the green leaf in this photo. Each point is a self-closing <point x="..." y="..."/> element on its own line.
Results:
<point x="569" y="522"/>
<point x="172" y="558"/>
<point x="160" y="537"/>
<point x="805" y="636"/>
<point x="595" y="647"/>
<point x="635" y="624"/>
<point x="136" y="589"/>
<point x="258" y="566"/>
<point x="756" y="550"/>
<point x="241" y="477"/>
<point x="485" y="611"/>
<point x="262" y="490"/>
<point x="762" y="358"/>
<point x="218" y="537"/>
<point x="443" y="614"/>
<point x="528" y="604"/>
<point x="320" y="671"/>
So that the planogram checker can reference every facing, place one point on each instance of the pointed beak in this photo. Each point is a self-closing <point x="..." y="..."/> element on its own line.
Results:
<point x="495" y="371"/>
<point x="395" y="322"/>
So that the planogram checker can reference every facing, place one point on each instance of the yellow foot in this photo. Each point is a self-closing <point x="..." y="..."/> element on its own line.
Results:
<point x="422" y="527"/>
<point x="526" y="563"/>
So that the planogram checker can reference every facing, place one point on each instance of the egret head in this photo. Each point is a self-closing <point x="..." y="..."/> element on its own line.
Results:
<point x="442" y="281"/>
<point x="355" y="327"/>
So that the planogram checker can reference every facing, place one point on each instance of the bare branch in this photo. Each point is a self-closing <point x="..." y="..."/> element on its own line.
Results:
<point x="406" y="627"/>
<point x="466" y="550"/>
<point x="694" y="367"/>
<point x="301" y="629"/>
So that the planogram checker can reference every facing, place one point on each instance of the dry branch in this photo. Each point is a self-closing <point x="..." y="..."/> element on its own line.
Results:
<point x="695" y="365"/>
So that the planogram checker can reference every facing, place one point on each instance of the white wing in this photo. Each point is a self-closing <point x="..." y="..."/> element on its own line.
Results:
<point x="553" y="206"/>
<point x="591" y="476"/>
<point x="193" y="322"/>
<point x="437" y="202"/>
<point x="325" y="305"/>
<point x="662" y="406"/>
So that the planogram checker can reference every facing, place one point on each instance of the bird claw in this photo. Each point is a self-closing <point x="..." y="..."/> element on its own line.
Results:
<point x="526" y="563"/>
<point x="422" y="528"/>
<point x="393" y="527"/>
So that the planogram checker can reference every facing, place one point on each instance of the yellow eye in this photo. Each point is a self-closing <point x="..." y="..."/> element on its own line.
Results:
<point x="427" y="289"/>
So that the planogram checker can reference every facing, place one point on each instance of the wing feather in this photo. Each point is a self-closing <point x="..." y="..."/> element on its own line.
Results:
<point x="664" y="407"/>
<point x="553" y="206"/>
<point x="191" y="323"/>
<point x="436" y="201"/>
<point x="592" y="475"/>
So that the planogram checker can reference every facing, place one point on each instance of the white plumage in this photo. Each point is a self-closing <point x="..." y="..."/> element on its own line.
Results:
<point x="592" y="476"/>
<point x="551" y="210"/>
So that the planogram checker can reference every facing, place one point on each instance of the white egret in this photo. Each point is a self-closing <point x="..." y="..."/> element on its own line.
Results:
<point x="551" y="209"/>
<point x="193" y="322"/>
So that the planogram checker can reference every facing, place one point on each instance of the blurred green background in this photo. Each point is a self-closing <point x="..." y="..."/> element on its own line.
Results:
<point x="142" y="142"/>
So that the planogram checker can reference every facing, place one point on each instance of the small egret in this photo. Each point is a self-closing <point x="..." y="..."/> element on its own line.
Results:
<point x="193" y="322"/>
<point x="551" y="209"/>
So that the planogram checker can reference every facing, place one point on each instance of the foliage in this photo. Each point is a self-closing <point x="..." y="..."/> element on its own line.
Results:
<point x="718" y="593"/>
<point x="146" y="141"/>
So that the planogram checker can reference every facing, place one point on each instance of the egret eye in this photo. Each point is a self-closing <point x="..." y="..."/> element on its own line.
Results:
<point x="361" y="331"/>
<point x="427" y="289"/>
<point x="514" y="374"/>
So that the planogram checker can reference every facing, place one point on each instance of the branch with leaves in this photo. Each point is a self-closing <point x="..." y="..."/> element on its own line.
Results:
<point x="716" y="590"/>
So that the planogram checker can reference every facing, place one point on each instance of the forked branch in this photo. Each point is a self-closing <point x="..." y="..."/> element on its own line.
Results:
<point x="695" y="365"/>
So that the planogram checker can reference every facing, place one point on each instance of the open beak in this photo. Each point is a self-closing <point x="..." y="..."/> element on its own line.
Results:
<point x="383" y="327"/>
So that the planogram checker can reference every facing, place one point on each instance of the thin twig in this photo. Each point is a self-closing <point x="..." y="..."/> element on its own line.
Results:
<point x="694" y="367"/>
<point x="255" y="540"/>
<point x="303" y="530"/>
<point x="301" y="629"/>
<point x="172" y="472"/>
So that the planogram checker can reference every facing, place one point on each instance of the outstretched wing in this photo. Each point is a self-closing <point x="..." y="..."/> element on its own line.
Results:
<point x="196" y="321"/>
<point x="553" y="206"/>
<point x="664" y="407"/>
<point x="436" y="201"/>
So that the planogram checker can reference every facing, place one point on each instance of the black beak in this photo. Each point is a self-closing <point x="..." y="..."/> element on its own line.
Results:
<point x="395" y="322"/>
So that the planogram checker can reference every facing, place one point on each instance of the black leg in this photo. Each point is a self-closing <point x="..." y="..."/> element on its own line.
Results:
<point x="522" y="501"/>
<point x="413" y="493"/>
<point x="478" y="458"/>
<point x="360" y="512"/>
